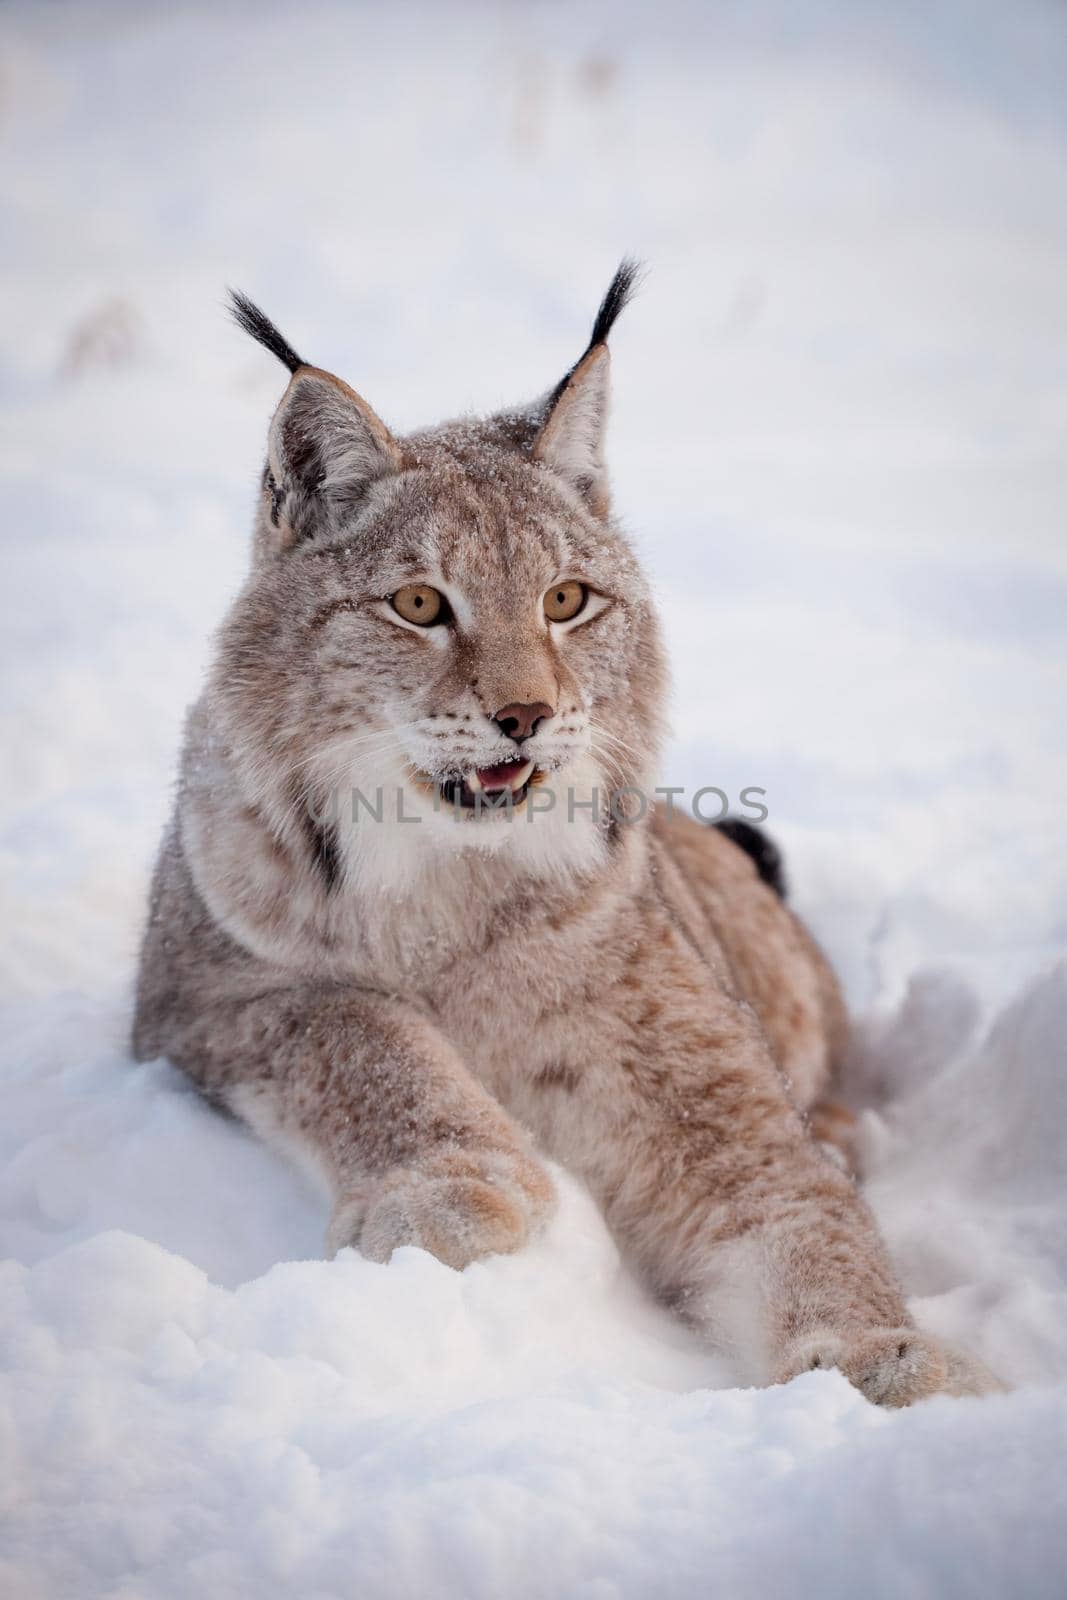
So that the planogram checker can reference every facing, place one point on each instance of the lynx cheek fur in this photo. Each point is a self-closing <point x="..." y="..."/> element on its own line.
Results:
<point x="409" y="1004"/>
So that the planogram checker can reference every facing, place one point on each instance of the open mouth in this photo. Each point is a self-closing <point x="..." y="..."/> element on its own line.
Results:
<point x="489" y="788"/>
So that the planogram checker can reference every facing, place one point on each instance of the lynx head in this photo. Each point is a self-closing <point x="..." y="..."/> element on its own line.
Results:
<point x="450" y="620"/>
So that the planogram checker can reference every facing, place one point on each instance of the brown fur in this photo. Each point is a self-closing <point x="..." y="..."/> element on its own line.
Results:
<point x="415" y="1007"/>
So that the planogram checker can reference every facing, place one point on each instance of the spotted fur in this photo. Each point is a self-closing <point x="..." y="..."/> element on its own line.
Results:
<point x="418" y="1006"/>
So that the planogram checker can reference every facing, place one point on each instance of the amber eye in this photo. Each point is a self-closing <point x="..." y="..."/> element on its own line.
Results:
<point x="564" y="601"/>
<point x="417" y="602"/>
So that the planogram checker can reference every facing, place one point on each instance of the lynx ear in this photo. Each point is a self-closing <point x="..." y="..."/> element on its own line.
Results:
<point x="571" y="439"/>
<point x="325" y="447"/>
<point x="571" y="436"/>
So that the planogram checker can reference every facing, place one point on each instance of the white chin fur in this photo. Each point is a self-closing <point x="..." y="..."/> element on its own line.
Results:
<point x="545" y="843"/>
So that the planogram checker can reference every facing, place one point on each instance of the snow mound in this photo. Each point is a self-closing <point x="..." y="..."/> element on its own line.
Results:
<point x="200" y="1415"/>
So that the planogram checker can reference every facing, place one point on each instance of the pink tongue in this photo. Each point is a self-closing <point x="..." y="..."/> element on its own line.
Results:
<point x="501" y="777"/>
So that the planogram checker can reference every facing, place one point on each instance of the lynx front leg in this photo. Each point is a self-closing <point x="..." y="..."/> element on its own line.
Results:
<point x="735" y="1214"/>
<point x="414" y="1149"/>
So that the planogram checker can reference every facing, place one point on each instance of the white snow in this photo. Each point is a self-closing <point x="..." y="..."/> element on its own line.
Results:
<point x="839" y="435"/>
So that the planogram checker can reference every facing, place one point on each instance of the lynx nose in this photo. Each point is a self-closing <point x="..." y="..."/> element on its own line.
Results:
<point x="521" y="722"/>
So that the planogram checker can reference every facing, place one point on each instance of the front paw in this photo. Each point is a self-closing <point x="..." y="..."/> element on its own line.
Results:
<point x="459" y="1205"/>
<point x="892" y="1366"/>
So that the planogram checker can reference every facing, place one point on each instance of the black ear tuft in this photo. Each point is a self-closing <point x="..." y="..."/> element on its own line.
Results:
<point x="254" y="321"/>
<point x="621" y="291"/>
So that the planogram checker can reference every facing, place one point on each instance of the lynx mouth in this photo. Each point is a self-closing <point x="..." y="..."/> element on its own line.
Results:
<point x="485" y="789"/>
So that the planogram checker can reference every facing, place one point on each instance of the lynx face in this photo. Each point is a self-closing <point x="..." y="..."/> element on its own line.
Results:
<point x="447" y="626"/>
<point x="499" y="689"/>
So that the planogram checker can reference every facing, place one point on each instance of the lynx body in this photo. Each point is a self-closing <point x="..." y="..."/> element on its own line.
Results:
<point x="420" y="1003"/>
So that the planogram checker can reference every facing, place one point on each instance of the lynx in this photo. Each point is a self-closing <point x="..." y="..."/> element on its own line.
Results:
<point x="420" y="999"/>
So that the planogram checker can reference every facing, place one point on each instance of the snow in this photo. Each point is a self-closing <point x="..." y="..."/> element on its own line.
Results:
<point x="838" y="435"/>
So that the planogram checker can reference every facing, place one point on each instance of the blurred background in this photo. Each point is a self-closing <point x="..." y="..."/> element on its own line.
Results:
<point x="840" y="402"/>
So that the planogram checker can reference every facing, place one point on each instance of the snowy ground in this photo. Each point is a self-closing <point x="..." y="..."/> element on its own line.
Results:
<point x="839" y="435"/>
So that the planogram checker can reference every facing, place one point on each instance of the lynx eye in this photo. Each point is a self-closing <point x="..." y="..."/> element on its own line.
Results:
<point x="419" y="603"/>
<point x="564" y="600"/>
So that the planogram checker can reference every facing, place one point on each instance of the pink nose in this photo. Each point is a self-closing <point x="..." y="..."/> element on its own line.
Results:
<point x="521" y="722"/>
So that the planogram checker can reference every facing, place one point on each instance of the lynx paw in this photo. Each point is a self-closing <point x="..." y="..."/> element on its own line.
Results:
<point x="893" y="1366"/>
<point x="459" y="1205"/>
